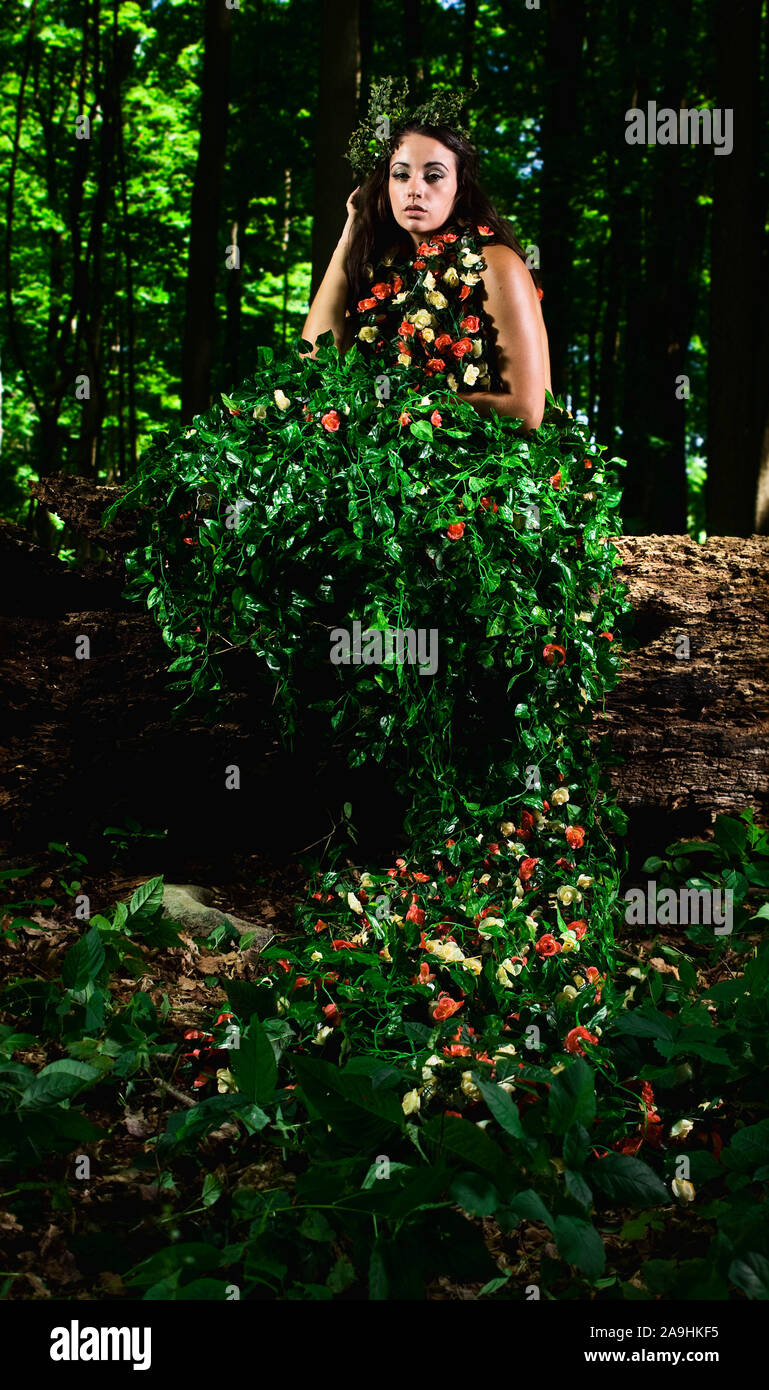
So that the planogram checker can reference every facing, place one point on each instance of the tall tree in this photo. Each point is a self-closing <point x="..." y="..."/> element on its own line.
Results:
<point x="206" y="242"/>
<point x="737" y="390"/>
<point x="338" y="87"/>
<point x="417" y="67"/>
<point x="560" y="165"/>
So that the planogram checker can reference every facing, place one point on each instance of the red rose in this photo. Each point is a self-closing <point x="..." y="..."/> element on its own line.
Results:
<point x="419" y="265"/>
<point x="444" y="1007"/>
<point x="574" y="1039"/>
<point x="527" y="869"/>
<point x="591" y="974"/>
<point x="436" y="420"/>
<point x="332" y="1014"/>
<point x="416" y="914"/>
<point x="579" y="928"/>
<point x="471" y="324"/>
<point x="407" y="329"/>
<point x="381" y="291"/>
<point x="330" y="421"/>
<point x="547" y="945"/>
<point x="556" y="479"/>
<point x="442" y="341"/>
<point x="449" y="236"/>
<point x="456" y="531"/>
<point x="234" y="412"/>
<point x="397" y="285"/>
<point x="462" y="346"/>
<point x="487" y="502"/>
<point x="575" y="835"/>
<point x="609" y="635"/>
<point x="464" y="292"/>
<point x="364" y="304"/>
<point x="344" y="945"/>
<point x="588" y="463"/>
<point x="404" y="418"/>
<point x="485" y="231"/>
<point x="549" y="652"/>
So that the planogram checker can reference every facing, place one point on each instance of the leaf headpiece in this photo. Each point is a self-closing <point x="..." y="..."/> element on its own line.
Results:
<point x="388" y="111"/>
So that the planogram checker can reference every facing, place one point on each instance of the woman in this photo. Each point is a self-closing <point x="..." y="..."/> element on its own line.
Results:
<point x="426" y="183"/>
<point x="424" y="483"/>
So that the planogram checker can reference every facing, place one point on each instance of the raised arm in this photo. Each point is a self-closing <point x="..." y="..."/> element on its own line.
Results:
<point x="327" y="310"/>
<point x="521" y="341"/>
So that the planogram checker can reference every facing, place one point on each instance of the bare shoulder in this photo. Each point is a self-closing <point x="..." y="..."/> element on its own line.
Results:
<point x="504" y="263"/>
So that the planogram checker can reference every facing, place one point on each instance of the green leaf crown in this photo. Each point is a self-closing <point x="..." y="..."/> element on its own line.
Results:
<point x="372" y="140"/>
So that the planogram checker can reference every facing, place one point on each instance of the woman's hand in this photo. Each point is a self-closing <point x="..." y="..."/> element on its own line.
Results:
<point x="352" y="213"/>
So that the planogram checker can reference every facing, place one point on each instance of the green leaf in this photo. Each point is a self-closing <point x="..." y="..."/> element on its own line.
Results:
<point x="422" y="429"/>
<point x="503" y="1108"/>
<point x="628" y="1181"/>
<point x="749" y="1148"/>
<point x="572" y="1097"/>
<point x="580" y="1244"/>
<point x="475" y="1194"/>
<point x="253" y="1064"/>
<point x="149" y="894"/>
<point x="465" y="1139"/>
<point x="530" y="1207"/>
<point x="750" y="1273"/>
<point x="58" y="1081"/>
<point x="83" y="961"/>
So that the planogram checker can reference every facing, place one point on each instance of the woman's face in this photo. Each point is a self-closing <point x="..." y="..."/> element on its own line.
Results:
<point x="422" y="185"/>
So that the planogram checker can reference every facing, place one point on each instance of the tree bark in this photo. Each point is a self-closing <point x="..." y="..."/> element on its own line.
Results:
<point x="737" y="355"/>
<point x="86" y="742"/>
<point x="560" y="135"/>
<point x="200" y="312"/>
<point x="339" y="80"/>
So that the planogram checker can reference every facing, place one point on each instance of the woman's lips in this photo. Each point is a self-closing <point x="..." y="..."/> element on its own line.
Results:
<point x="415" y="212"/>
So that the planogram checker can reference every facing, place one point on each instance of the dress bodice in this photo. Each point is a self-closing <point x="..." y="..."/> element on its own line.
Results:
<point x="424" y="313"/>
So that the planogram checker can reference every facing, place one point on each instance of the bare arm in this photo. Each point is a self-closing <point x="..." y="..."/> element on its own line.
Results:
<point x="327" y="310"/>
<point x="513" y="308"/>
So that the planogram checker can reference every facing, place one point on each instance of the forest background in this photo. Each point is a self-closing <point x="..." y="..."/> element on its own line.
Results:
<point x="152" y="246"/>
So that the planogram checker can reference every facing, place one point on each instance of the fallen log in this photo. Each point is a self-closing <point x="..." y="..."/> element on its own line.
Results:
<point x="86" y="743"/>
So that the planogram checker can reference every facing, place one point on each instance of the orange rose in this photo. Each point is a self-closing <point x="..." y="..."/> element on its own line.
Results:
<point x="444" y="1007"/>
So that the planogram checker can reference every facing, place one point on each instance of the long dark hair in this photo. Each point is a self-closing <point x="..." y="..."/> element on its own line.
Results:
<point x="375" y="230"/>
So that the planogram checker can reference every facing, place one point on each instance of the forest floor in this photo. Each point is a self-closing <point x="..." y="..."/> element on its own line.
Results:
<point x="76" y="1236"/>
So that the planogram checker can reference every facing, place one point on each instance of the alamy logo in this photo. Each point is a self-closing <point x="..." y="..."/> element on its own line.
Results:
<point x="76" y="1343"/>
<point x="383" y="646"/>
<point x="691" y="906"/>
<point x="683" y="127"/>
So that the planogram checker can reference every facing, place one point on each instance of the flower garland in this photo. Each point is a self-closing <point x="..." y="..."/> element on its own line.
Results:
<point x="425" y="313"/>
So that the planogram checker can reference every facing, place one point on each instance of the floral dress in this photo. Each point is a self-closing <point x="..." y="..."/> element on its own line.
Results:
<point x="425" y="313"/>
<point x="334" y="500"/>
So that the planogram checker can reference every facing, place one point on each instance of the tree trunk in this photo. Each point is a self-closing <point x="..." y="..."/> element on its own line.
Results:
<point x="86" y="742"/>
<point x="206" y="249"/>
<point x="339" y="79"/>
<point x="560" y="135"/>
<point x="737" y="390"/>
